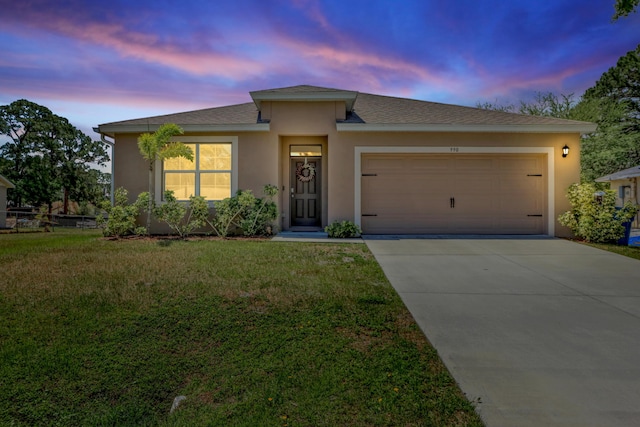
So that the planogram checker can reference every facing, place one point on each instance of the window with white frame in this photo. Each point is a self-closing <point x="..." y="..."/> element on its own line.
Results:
<point x="209" y="174"/>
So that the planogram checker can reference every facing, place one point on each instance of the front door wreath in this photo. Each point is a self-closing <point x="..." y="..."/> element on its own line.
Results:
<point x="305" y="172"/>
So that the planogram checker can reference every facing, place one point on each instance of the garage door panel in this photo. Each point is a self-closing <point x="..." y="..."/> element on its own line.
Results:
<point x="440" y="164"/>
<point x="471" y="165"/>
<point x="526" y="164"/>
<point x="402" y="224"/>
<point x="414" y="206"/>
<point x="453" y="194"/>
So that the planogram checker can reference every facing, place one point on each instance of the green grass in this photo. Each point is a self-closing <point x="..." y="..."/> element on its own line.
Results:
<point x="253" y="333"/>
<point x="630" y="251"/>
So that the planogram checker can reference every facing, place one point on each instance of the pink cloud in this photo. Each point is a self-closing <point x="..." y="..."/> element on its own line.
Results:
<point x="143" y="46"/>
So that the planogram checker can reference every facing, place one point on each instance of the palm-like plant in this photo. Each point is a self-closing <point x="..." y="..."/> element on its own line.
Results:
<point x="158" y="146"/>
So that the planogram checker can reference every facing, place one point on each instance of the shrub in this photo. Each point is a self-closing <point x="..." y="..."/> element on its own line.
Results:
<point x="259" y="217"/>
<point x="181" y="217"/>
<point x="121" y="217"/>
<point x="245" y="214"/>
<point x="595" y="218"/>
<point x="344" y="229"/>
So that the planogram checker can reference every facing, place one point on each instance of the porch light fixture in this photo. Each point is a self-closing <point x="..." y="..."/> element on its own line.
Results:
<point x="565" y="150"/>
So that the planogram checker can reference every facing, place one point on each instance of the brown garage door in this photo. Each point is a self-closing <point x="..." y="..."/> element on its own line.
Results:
<point x="453" y="194"/>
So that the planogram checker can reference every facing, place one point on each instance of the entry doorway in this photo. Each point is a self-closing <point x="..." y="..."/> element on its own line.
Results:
<point x="305" y="173"/>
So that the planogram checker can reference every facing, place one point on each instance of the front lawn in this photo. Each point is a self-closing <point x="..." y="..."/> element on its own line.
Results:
<point x="253" y="333"/>
<point x="630" y="251"/>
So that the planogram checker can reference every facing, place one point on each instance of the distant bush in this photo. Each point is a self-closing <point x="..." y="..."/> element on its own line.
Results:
<point x="344" y="229"/>
<point x="594" y="217"/>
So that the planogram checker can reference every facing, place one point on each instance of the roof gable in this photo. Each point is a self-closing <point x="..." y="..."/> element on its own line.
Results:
<point x="305" y="93"/>
<point x="6" y="183"/>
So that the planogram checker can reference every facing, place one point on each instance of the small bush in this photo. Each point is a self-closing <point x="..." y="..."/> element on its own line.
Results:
<point x="595" y="219"/>
<point x="183" y="218"/>
<point x="344" y="229"/>
<point x="245" y="214"/>
<point x="121" y="217"/>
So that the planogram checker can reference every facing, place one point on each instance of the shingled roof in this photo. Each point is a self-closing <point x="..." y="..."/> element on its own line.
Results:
<point x="633" y="172"/>
<point x="365" y="112"/>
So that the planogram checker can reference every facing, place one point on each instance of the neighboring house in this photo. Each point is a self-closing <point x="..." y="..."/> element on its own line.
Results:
<point x="625" y="183"/>
<point x="392" y="165"/>
<point x="4" y="185"/>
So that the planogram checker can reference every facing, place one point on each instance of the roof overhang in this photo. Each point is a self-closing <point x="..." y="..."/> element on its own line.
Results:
<point x="626" y="174"/>
<point x="6" y="183"/>
<point x="111" y="130"/>
<point x="349" y="97"/>
<point x="582" y="128"/>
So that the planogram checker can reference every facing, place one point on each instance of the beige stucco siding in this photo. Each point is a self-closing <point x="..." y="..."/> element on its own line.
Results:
<point x="257" y="159"/>
<point x="263" y="157"/>
<point x="633" y="196"/>
<point x="131" y="171"/>
<point x="342" y="148"/>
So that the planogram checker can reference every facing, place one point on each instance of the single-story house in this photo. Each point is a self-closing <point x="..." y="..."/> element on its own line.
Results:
<point x="392" y="165"/>
<point x="625" y="183"/>
<point x="4" y="185"/>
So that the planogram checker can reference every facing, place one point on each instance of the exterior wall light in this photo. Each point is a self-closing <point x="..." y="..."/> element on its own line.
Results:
<point x="565" y="150"/>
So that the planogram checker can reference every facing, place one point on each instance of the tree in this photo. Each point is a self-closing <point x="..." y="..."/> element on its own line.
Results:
<point x="23" y="122"/>
<point x="624" y="8"/>
<point x="158" y="146"/>
<point x="45" y="156"/>
<point x="544" y="104"/>
<point x="79" y="181"/>
<point x="614" y="104"/>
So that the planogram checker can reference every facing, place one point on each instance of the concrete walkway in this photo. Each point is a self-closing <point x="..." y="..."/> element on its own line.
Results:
<point x="539" y="332"/>
<point x="310" y="237"/>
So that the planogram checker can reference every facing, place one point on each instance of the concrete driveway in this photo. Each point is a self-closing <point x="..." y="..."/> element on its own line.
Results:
<point x="539" y="332"/>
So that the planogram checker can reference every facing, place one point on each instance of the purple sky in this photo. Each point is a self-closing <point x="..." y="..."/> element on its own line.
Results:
<point x="98" y="61"/>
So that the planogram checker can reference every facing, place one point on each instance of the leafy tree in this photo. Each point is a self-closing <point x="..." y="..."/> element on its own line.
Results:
<point x="45" y="155"/>
<point x="79" y="181"/>
<point x="614" y="104"/>
<point x="621" y="84"/>
<point x="23" y="122"/>
<point x="624" y="8"/>
<point x="544" y="104"/>
<point x="158" y="146"/>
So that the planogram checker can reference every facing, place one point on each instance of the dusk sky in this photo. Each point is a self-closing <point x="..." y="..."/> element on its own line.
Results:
<point x="100" y="61"/>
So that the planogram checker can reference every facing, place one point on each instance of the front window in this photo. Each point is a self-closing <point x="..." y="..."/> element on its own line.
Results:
<point x="208" y="175"/>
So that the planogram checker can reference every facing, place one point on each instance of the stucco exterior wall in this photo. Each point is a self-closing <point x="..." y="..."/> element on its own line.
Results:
<point x="263" y="157"/>
<point x="342" y="148"/>
<point x="634" y="191"/>
<point x="257" y="159"/>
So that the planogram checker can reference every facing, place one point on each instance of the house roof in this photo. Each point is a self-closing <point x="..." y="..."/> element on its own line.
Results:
<point x="6" y="183"/>
<point x="633" y="172"/>
<point x="305" y="93"/>
<point x="365" y="112"/>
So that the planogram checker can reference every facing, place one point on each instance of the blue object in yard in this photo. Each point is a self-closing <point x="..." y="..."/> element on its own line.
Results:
<point x="634" y="241"/>
<point x="624" y="241"/>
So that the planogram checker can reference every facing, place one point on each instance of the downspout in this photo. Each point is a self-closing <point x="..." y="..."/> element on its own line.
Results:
<point x="113" y="165"/>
